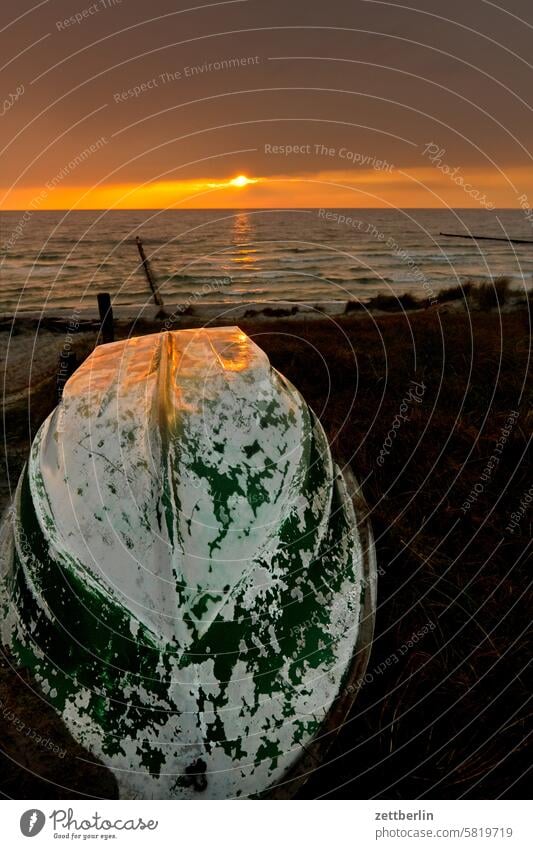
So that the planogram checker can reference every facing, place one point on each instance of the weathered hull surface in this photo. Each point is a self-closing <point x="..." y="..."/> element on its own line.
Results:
<point x="183" y="572"/>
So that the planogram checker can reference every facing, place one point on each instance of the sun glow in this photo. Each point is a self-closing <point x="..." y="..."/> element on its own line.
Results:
<point x="241" y="181"/>
<point x="238" y="182"/>
<point x="416" y="187"/>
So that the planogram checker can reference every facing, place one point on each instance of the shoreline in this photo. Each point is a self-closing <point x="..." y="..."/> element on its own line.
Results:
<point x="206" y="311"/>
<point x="228" y="312"/>
<point x="31" y="342"/>
<point x="466" y="296"/>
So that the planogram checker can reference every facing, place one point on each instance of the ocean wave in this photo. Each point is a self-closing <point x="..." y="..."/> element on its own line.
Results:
<point x="292" y="255"/>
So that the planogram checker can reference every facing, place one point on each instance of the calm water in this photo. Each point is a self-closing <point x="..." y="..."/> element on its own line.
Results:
<point x="56" y="259"/>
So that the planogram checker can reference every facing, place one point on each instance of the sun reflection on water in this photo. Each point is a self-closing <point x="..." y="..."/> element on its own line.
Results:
<point x="243" y="253"/>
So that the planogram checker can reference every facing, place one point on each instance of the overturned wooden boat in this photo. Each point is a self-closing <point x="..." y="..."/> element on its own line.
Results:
<point x="186" y="572"/>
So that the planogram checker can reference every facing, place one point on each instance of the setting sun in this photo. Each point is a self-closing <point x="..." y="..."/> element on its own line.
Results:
<point x="241" y="180"/>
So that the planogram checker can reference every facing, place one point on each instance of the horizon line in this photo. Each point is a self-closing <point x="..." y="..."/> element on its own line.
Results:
<point x="271" y="208"/>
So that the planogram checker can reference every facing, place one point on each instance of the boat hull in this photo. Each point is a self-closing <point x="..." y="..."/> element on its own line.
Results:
<point x="186" y="572"/>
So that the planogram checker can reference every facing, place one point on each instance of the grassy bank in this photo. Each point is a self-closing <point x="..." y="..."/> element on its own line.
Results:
<point x="431" y="410"/>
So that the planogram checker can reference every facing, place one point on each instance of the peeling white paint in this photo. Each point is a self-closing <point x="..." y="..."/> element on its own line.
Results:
<point x="185" y="500"/>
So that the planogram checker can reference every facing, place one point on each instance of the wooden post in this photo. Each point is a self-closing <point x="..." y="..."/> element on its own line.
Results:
<point x="149" y="276"/>
<point x="105" y="309"/>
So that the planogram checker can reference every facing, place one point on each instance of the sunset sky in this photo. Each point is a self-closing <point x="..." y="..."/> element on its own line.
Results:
<point x="350" y="103"/>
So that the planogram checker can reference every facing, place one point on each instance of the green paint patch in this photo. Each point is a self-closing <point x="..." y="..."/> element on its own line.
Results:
<point x="252" y="449"/>
<point x="222" y="640"/>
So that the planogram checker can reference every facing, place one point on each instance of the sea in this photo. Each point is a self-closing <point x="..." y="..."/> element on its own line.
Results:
<point x="57" y="260"/>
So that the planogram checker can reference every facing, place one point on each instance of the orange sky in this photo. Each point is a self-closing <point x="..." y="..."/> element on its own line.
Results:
<point x="411" y="187"/>
<point x="161" y="105"/>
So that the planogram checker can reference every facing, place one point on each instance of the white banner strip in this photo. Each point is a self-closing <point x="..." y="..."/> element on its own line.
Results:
<point x="258" y="825"/>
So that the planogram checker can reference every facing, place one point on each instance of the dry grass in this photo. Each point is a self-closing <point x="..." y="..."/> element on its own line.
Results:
<point x="492" y="295"/>
<point x="486" y="296"/>
<point x="386" y="303"/>
<point x="456" y="293"/>
<point x="449" y="716"/>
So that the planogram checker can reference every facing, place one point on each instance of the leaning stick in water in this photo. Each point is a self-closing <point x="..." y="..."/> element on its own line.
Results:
<point x="148" y="271"/>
